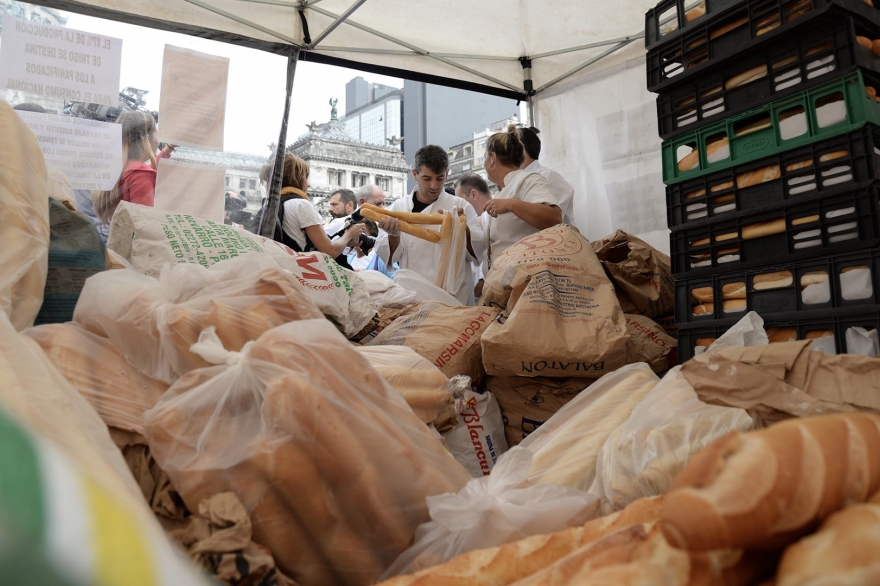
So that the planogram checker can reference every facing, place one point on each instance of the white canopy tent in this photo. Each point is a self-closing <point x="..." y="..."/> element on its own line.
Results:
<point x="579" y="64"/>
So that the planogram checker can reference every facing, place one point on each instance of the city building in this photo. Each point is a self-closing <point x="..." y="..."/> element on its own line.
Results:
<point x="468" y="157"/>
<point x="445" y="116"/>
<point x="373" y="112"/>
<point x="337" y="160"/>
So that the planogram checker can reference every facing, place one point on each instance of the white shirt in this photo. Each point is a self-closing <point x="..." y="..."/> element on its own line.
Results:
<point x="559" y="187"/>
<point x="422" y="256"/>
<point x="505" y="230"/>
<point x="299" y="214"/>
<point x="335" y="225"/>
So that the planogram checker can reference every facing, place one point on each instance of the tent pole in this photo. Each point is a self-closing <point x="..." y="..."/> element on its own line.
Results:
<point x="270" y="216"/>
<point x="339" y="20"/>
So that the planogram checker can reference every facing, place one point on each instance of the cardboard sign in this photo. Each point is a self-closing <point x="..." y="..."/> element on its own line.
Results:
<point x="189" y="188"/>
<point x="192" y="105"/>
<point x="88" y="152"/>
<point x="57" y="62"/>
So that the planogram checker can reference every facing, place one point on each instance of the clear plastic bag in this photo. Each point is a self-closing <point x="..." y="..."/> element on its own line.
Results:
<point x="96" y="368"/>
<point x="423" y="288"/>
<point x="386" y="293"/>
<point x="421" y="384"/>
<point x="491" y="511"/>
<point x="666" y="429"/>
<point x="154" y="322"/>
<point x="749" y="331"/>
<point x="453" y="266"/>
<point x="566" y="447"/>
<point x="330" y="462"/>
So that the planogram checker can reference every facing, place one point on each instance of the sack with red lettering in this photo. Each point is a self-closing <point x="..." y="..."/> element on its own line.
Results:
<point x="154" y="322"/>
<point x="447" y="336"/>
<point x="478" y="439"/>
<point x="491" y="511"/>
<point x="648" y="342"/>
<point x="150" y="238"/>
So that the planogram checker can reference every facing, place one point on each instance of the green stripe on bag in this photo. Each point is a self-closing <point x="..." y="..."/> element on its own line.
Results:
<point x="21" y="491"/>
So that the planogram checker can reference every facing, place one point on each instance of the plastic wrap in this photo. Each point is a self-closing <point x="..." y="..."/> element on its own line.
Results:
<point x="330" y="462"/>
<point x="67" y="488"/>
<point x="491" y="511"/>
<point x="666" y="429"/>
<point x="424" y="388"/>
<point x="566" y="447"/>
<point x="453" y="265"/>
<point x="24" y="239"/>
<point x="154" y="322"/>
<point x="386" y="293"/>
<point x="96" y="368"/>
<point x="424" y="289"/>
<point x="749" y="331"/>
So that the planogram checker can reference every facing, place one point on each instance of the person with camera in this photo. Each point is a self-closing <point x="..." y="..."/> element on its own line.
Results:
<point x="302" y="228"/>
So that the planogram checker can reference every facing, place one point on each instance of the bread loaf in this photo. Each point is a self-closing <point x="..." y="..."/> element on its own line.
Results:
<point x="805" y="220"/>
<point x="755" y="126"/>
<point x="765" y="488"/>
<point x="831" y="156"/>
<point x="692" y="160"/>
<point x="733" y="291"/>
<point x="813" y="278"/>
<point x="843" y="551"/>
<point x="865" y="42"/>
<point x="694" y="194"/>
<point x="721" y="186"/>
<point x="703" y="294"/>
<point x="704" y="309"/>
<point x="704" y="342"/>
<point x="700" y="242"/>
<point x="500" y="566"/>
<point x="747" y="76"/>
<point x="696" y="12"/>
<point x="772" y="280"/>
<point x="762" y="229"/>
<point x="776" y="335"/>
<point x="727" y="236"/>
<point x="758" y="176"/>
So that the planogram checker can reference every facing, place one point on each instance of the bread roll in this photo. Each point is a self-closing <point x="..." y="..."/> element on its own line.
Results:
<point x="703" y="294"/>
<point x="854" y="268"/>
<point x="865" y="42"/>
<point x="747" y="76"/>
<point x="764" y="489"/>
<point x="815" y="334"/>
<point x="813" y="278"/>
<point x="734" y="305"/>
<point x="763" y="229"/>
<point x="704" y="309"/>
<point x="781" y="335"/>
<point x="758" y="176"/>
<point x="843" y="551"/>
<point x="733" y="291"/>
<point x="704" y="342"/>
<point x="772" y="280"/>
<point x="804" y="220"/>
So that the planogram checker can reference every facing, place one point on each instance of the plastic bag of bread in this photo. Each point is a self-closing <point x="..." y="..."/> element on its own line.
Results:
<point x="424" y="289"/>
<point x="566" y="447"/>
<point x="491" y="511"/>
<point x="154" y="322"/>
<point x="98" y="370"/>
<point x="386" y="293"/>
<point x="151" y="238"/>
<point x="421" y="384"/>
<point x="67" y="489"/>
<point x="24" y="240"/>
<point x="666" y="429"/>
<point x="330" y="462"/>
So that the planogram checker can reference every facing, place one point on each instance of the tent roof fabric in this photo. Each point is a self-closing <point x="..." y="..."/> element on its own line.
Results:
<point x="457" y="42"/>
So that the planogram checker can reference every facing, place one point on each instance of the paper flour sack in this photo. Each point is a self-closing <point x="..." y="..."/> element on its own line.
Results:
<point x="478" y="439"/>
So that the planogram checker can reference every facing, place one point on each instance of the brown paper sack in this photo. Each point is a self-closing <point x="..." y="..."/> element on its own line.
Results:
<point x="527" y="402"/>
<point x="648" y="342"/>
<point x="784" y="380"/>
<point x="447" y="336"/>
<point x="640" y="271"/>
<point x="561" y="317"/>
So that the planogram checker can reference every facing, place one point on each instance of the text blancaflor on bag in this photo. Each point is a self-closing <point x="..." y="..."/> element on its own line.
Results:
<point x="478" y="439"/>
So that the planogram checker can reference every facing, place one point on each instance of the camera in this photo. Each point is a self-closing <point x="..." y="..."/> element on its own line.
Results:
<point x="365" y="241"/>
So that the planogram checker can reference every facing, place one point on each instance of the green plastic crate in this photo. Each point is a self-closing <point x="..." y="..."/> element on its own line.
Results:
<point x="750" y="146"/>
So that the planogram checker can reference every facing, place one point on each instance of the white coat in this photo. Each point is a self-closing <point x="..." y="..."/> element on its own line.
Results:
<point x="559" y="187"/>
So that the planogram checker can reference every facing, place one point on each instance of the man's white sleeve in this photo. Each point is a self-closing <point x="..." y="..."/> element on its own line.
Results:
<point x="478" y="239"/>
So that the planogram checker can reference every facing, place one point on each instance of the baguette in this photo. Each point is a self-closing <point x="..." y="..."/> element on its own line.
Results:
<point x="692" y="160"/>
<point x="758" y="176"/>
<point x="726" y="28"/>
<point x="777" y="335"/>
<point x="694" y="194"/>
<point x="764" y="489"/>
<point x="799" y="165"/>
<point x="405" y="227"/>
<point x="733" y="291"/>
<point x="409" y="217"/>
<point x="725" y="237"/>
<point x="760" y="124"/>
<point x="704" y="309"/>
<point x="805" y="220"/>
<point x="729" y="250"/>
<point x="843" y="551"/>
<point x="732" y="305"/>
<point x="762" y="229"/>
<point x="831" y="156"/>
<point x="772" y="280"/>
<point x="721" y="186"/>
<point x="700" y="242"/>
<point x="747" y="76"/>
<point x="723" y="199"/>
<point x="703" y="294"/>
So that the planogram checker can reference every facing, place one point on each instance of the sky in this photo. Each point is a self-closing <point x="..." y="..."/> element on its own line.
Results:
<point x="255" y="95"/>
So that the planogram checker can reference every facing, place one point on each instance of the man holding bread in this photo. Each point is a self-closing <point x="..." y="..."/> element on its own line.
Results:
<point x="429" y="197"/>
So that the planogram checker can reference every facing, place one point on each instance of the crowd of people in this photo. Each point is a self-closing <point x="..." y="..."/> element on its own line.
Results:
<point x="530" y="198"/>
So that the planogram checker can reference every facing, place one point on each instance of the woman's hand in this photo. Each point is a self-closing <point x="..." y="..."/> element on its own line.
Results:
<point x="496" y="207"/>
<point x="353" y="234"/>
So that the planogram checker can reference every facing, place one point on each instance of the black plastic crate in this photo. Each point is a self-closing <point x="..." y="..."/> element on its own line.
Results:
<point x="801" y="231"/>
<point x="838" y="323"/>
<point x="821" y="169"/>
<point x="825" y="49"/>
<point x="835" y="282"/>
<point x="710" y="42"/>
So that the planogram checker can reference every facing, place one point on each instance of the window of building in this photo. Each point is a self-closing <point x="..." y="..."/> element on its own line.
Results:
<point x="482" y="160"/>
<point x="468" y="151"/>
<point x="242" y="183"/>
<point x="336" y="178"/>
<point x="253" y="183"/>
<point x="227" y="181"/>
<point x="384" y="183"/>
<point x="466" y="167"/>
<point x="482" y="144"/>
<point x="359" y="179"/>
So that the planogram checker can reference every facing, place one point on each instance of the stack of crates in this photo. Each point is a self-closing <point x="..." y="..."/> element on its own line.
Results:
<point x="771" y="155"/>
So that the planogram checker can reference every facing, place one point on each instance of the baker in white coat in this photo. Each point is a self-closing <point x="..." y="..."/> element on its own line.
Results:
<point x="430" y="169"/>
<point x="473" y="189"/>
<point x="559" y="187"/>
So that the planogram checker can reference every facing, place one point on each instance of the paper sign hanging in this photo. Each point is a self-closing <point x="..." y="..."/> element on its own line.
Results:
<point x="88" y="152"/>
<point x="190" y="188"/>
<point x="57" y="62"/>
<point x="192" y="103"/>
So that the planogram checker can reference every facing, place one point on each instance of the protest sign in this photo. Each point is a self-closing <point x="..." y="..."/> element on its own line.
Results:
<point x="192" y="105"/>
<point x="190" y="188"/>
<point x="88" y="152"/>
<point x="57" y="62"/>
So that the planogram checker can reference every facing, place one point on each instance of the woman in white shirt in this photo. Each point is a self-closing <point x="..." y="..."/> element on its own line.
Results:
<point x="525" y="205"/>
<point x="301" y="226"/>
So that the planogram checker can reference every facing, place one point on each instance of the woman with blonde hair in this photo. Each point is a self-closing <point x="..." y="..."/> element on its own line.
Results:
<point x="524" y="205"/>
<point x="301" y="227"/>
<point x="137" y="183"/>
